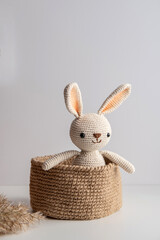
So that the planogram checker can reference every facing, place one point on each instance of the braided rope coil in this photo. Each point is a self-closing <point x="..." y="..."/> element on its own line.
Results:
<point x="75" y="192"/>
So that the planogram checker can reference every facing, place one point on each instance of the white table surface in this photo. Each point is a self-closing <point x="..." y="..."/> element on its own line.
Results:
<point x="139" y="218"/>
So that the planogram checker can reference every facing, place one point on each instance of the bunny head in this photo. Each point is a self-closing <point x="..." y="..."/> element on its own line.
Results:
<point x="92" y="131"/>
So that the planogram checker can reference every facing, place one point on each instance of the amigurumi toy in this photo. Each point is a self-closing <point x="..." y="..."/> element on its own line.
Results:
<point x="90" y="132"/>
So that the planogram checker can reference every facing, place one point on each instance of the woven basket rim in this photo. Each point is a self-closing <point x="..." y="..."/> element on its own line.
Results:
<point x="40" y="159"/>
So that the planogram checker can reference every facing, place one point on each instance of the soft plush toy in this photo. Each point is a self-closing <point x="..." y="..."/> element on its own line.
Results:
<point x="90" y="132"/>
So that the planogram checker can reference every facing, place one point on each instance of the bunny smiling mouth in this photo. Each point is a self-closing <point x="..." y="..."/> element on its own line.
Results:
<point x="97" y="141"/>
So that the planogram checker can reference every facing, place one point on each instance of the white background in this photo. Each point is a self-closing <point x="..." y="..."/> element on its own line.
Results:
<point x="44" y="45"/>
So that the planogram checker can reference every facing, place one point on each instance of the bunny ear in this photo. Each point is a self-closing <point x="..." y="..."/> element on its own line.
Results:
<point x="73" y="99"/>
<point x="115" y="99"/>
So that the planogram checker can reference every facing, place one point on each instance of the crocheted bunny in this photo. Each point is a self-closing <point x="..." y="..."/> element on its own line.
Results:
<point x="90" y="132"/>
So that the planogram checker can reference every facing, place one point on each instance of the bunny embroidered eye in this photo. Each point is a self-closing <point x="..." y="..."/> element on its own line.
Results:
<point x="82" y="135"/>
<point x="108" y="134"/>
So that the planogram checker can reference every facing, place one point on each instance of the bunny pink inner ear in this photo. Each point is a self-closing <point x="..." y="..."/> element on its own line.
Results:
<point x="115" y="99"/>
<point x="75" y="100"/>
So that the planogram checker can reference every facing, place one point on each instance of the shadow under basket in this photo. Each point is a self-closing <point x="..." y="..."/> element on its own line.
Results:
<point x="75" y="192"/>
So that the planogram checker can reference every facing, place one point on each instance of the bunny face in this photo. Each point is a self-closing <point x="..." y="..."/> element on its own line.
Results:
<point x="90" y="132"/>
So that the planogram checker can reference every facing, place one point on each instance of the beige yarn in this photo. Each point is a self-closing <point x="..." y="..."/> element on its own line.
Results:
<point x="75" y="192"/>
<point x="115" y="99"/>
<point x="94" y="127"/>
<point x="115" y="158"/>
<point x="90" y="124"/>
<point x="57" y="158"/>
<point x="73" y="99"/>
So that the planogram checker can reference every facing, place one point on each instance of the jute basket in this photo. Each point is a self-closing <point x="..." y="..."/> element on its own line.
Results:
<point x="75" y="192"/>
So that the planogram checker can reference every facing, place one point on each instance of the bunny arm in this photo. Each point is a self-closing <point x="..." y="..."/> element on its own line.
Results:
<point x="58" y="158"/>
<point x="115" y="158"/>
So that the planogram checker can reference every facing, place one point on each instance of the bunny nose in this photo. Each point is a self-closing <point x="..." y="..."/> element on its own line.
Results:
<point x="96" y="135"/>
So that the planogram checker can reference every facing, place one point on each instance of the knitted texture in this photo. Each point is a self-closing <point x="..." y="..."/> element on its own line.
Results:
<point x="73" y="99"/>
<point x="93" y="159"/>
<point x="75" y="192"/>
<point x="90" y="124"/>
<point x="115" y="99"/>
<point x="57" y="158"/>
<point x="90" y="132"/>
<point x="123" y="163"/>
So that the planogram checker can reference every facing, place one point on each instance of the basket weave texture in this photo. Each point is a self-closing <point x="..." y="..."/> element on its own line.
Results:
<point x="75" y="192"/>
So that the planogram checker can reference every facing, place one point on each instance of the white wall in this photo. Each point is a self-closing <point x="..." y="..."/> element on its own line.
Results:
<point x="99" y="44"/>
